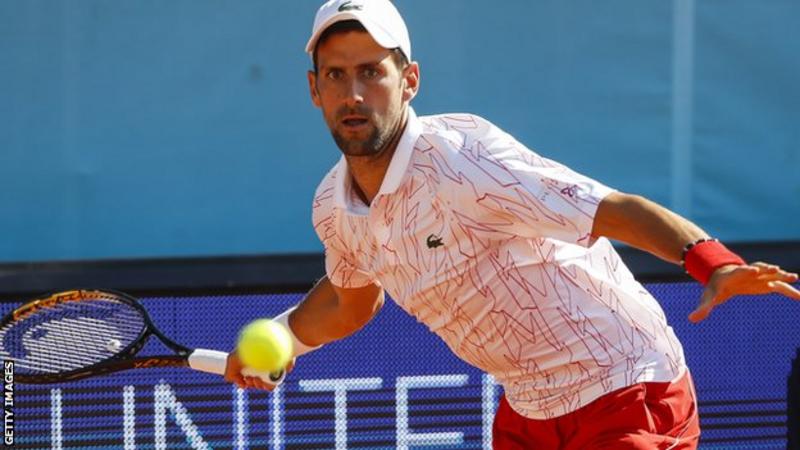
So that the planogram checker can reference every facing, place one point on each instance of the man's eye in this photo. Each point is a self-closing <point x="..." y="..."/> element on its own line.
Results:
<point x="370" y="73"/>
<point x="334" y="75"/>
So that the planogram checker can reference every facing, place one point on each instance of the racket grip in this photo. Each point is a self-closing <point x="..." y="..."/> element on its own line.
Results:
<point x="211" y="361"/>
<point x="214" y="361"/>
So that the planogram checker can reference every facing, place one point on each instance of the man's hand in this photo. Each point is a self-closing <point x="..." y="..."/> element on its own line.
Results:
<point x="732" y="280"/>
<point x="233" y="374"/>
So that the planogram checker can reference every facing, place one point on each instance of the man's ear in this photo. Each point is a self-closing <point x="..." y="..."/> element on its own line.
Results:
<point x="411" y="77"/>
<point x="312" y="87"/>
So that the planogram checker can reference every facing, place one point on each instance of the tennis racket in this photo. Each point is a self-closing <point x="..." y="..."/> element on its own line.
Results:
<point x="78" y="334"/>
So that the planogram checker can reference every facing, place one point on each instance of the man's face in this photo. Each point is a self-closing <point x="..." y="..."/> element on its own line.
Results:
<point x="361" y="91"/>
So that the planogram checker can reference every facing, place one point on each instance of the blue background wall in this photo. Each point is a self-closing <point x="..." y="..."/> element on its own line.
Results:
<point x="136" y="129"/>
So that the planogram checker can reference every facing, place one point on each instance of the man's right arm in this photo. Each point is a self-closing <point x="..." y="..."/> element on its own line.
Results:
<point x="329" y="312"/>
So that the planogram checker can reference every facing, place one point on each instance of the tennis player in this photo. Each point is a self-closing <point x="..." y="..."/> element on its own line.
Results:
<point x="502" y="253"/>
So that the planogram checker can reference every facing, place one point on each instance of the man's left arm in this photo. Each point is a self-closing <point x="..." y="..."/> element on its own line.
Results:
<point x="647" y="226"/>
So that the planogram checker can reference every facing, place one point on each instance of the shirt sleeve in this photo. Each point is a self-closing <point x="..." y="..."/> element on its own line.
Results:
<point x="343" y="271"/>
<point x="516" y="191"/>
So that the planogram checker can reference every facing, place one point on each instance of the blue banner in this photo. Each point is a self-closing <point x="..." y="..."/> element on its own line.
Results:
<point x="392" y="385"/>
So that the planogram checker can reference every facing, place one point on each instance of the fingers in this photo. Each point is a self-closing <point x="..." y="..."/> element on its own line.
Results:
<point x="757" y="278"/>
<point x="778" y="276"/>
<point x="290" y="366"/>
<point x="258" y="383"/>
<point x="252" y="382"/>
<point x="784" y="288"/>
<point x="707" y="303"/>
<point x="773" y="272"/>
<point x="231" y="362"/>
<point x="765" y="267"/>
<point x="233" y="370"/>
<point x="699" y="314"/>
<point x="751" y="279"/>
<point x="233" y="374"/>
<point x="237" y="379"/>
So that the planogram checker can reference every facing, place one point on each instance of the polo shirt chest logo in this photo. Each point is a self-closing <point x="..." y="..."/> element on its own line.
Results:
<point x="434" y="241"/>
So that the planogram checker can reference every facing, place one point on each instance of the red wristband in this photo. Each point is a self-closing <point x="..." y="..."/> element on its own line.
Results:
<point x="701" y="258"/>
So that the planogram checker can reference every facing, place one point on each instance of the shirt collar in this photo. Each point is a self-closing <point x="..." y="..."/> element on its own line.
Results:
<point x="397" y="166"/>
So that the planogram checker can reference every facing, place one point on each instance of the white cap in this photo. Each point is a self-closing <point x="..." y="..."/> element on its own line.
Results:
<point x="379" y="17"/>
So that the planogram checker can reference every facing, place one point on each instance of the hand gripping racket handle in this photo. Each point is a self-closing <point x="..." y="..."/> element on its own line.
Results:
<point x="213" y="361"/>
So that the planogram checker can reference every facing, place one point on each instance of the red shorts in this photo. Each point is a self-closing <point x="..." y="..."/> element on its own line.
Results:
<point x="643" y="416"/>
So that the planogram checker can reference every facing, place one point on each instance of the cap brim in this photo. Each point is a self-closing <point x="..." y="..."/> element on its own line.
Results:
<point x="378" y="34"/>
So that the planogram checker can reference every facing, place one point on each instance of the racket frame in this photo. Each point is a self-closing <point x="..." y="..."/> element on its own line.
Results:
<point x="124" y="359"/>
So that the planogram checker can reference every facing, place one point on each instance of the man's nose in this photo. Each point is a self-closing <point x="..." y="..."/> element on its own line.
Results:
<point x="354" y="93"/>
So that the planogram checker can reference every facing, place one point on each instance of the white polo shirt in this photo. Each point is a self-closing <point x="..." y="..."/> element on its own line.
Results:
<point x="488" y="244"/>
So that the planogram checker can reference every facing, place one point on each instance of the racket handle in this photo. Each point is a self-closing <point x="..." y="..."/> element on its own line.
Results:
<point x="214" y="361"/>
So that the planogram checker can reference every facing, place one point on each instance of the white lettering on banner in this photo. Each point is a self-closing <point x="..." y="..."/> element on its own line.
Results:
<point x="277" y="418"/>
<point x="129" y="417"/>
<point x="240" y="419"/>
<point x="55" y="419"/>
<point x="405" y="437"/>
<point x="340" y="386"/>
<point x="488" y="407"/>
<point x="165" y="399"/>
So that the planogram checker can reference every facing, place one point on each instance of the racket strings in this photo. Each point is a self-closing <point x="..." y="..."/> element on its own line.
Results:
<point x="67" y="334"/>
<point x="69" y="343"/>
<point x="71" y="335"/>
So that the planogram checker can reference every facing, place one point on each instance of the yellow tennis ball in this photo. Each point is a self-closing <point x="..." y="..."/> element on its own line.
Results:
<point x="265" y="345"/>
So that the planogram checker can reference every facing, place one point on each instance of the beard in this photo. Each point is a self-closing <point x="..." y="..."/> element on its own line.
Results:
<point x="372" y="144"/>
